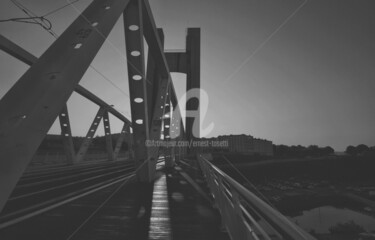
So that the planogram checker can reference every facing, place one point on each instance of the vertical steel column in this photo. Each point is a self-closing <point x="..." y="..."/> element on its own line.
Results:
<point x="152" y="85"/>
<point x="119" y="141"/>
<point x="30" y="107"/>
<point x="167" y="126"/>
<point x="137" y="86"/>
<point x="172" y="133"/>
<point x="108" y="136"/>
<point x="192" y="80"/>
<point x="160" y="88"/>
<point x="66" y="135"/>
<point x="90" y="135"/>
<point x="177" y="134"/>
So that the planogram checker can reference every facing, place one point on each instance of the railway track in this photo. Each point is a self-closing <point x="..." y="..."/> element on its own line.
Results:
<point x="43" y="190"/>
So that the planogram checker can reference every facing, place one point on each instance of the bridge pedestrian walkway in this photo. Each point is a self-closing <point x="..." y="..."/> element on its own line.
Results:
<point x="169" y="208"/>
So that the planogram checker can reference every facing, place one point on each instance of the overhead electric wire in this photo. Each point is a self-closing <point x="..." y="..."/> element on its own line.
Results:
<point x="109" y="80"/>
<point x="59" y="8"/>
<point x="48" y="28"/>
<point x="33" y="17"/>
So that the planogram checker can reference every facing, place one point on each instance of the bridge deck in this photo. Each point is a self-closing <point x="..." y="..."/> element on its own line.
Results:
<point x="168" y="209"/>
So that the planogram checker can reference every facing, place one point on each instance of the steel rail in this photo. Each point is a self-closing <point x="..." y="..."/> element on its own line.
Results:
<point x="69" y="176"/>
<point x="58" y="172"/>
<point x="21" y="215"/>
<point x="77" y="182"/>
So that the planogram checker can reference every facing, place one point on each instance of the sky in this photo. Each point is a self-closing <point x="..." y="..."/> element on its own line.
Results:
<point x="295" y="72"/>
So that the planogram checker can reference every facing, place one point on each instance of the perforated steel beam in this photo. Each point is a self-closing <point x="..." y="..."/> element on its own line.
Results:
<point x="66" y="134"/>
<point x="158" y="114"/>
<point x="133" y="24"/>
<point x="95" y="99"/>
<point x="29" y="108"/>
<point x="108" y="135"/>
<point x="155" y="46"/>
<point x="160" y="96"/>
<point x="167" y="124"/>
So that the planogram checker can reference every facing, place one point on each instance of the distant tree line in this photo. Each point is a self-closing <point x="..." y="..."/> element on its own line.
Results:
<point x="301" y="151"/>
<point x="53" y="143"/>
<point x="361" y="149"/>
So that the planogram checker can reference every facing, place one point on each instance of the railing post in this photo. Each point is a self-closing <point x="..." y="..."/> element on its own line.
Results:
<point x="230" y="196"/>
<point x="238" y="223"/>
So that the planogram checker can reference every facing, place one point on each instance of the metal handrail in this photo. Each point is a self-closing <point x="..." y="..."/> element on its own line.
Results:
<point x="244" y="214"/>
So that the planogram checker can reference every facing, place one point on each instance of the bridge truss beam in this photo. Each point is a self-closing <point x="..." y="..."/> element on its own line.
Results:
<point x="90" y="135"/>
<point x="66" y="134"/>
<point x="30" y="107"/>
<point x="21" y="54"/>
<point x="120" y="140"/>
<point x="138" y="88"/>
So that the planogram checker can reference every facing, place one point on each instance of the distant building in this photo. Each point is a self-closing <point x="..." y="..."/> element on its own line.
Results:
<point x="241" y="144"/>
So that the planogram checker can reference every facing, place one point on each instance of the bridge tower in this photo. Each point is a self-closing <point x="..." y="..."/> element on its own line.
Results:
<point x="188" y="62"/>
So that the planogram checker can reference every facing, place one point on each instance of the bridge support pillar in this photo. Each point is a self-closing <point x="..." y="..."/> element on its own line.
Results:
<point x="189" y="63"/>
<point x="192" y="82"/>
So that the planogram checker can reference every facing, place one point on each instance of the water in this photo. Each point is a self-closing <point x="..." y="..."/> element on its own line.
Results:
<point x="320" y="219"/>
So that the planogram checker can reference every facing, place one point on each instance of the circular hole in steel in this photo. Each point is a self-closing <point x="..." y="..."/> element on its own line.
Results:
<point x="133" y="27"/>
<point x="138" y="100"/>
<point x="135" y="53"/>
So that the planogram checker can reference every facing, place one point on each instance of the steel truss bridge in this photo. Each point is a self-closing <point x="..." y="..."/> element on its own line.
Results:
<point x="144" y="195"/>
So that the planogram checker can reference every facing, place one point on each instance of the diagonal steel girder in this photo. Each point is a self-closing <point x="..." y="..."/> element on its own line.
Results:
<point x="120" y="141"/>
<point x="30" y="107"/>
<point x="156" y="47"/>
<point x="90" y="135"/>
<point x="21" y="54"/>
